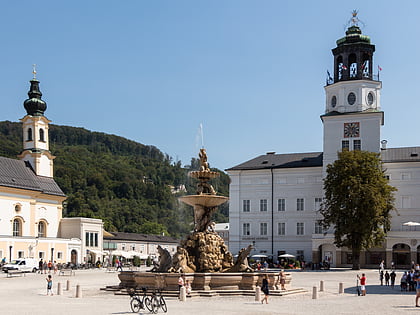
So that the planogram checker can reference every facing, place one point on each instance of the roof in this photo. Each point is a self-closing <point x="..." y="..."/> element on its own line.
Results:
<point x="122" y="236"/>
<point x="396" y="155"/>
<point x="19" y="174"/>
<point x="290" y="160"/>
<point x="314" y="159"/>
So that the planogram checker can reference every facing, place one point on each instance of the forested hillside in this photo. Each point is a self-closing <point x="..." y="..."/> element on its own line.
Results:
<point x="125" y="183"/>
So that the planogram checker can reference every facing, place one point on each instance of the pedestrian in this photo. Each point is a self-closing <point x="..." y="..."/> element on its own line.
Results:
<point x="393" y="275"/>
<point x="381" y="277"/>
<point x="265" y="265"/>
<point x="392" y="265"/>
<point x="386" y="278"/>
<point x="188" y="287"/>
<point x="362" y="283"/>
<point x="45" y="267"/>
<point x="40" y="264"/>
<point x="49" y="284"/>
<point x="282" y="279"/>
<point x="417" y="279"/>
<point x="403" y="281"/>
<point x="49" y="266"/>
<point x="180" y="285"/>
<point x="265" y="289"/>
<point x="382" y="266"/>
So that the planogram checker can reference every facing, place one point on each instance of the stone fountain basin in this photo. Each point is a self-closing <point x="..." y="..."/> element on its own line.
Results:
<point x="200" y="281"/>
<point x="204" y="200"/>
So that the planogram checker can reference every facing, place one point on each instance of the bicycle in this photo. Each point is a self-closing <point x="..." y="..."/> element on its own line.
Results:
<point x="139" y="302"/>
<point x="158" y="301"/>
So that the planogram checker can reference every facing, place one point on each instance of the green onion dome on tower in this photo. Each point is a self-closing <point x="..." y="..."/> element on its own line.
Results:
<point x="34" y="105"/>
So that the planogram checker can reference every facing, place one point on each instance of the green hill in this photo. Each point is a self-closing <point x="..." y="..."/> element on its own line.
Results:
<point x="125" y="183"/>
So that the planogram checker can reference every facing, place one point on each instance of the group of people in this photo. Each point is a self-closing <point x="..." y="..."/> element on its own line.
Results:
<point x="44" y="266"/>
<point x="184" y="283"/>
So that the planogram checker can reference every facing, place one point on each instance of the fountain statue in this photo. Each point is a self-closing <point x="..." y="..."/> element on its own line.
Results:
<point x="203" y="256"/>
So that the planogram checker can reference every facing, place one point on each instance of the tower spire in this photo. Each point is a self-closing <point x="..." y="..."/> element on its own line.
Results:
<point x="34" y="105"/>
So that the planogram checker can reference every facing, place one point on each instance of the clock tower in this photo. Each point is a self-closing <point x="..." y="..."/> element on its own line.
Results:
<point x="353" y="115"/>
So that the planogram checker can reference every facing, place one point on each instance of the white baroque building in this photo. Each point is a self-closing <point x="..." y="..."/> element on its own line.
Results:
<point x="274" y="198"/>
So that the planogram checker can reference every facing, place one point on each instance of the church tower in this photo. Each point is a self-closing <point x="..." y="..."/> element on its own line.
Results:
<point x="353" y="115"/>
<point x="35" y="133"/>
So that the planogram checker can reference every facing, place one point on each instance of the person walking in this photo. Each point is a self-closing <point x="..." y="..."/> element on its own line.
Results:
<point x="40" y="264"/>
<point x="180" y="285"/>
<point x="49" y="285"/>
<point x="381" y="277"/>
<point x="417" y="279"/>
<point x="386" y="278"/>
<point x="392" y="276"/>
<point x="265" y="289"/>
<point x="282" y="278"/>
<point x="362" y="283"/>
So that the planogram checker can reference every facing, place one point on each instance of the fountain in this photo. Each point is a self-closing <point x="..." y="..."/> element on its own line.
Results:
<point x="202" y="257"/>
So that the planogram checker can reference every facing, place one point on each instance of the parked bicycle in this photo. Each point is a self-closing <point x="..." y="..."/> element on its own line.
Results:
<point x="138" y="302"/>
<point x="158" y="301"/>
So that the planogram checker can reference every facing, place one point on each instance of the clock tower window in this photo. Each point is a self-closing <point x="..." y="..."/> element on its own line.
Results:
<point x="357" y="145"/>
<point x="345" y="145"/>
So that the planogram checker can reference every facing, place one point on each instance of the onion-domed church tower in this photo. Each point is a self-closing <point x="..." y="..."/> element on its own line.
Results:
<point x="35" y="132"/>
<point x="353" y="115"/>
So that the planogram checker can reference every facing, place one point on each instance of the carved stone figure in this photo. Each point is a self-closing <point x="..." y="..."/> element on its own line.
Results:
<point x="204" y="166"/>
<point x="241" y="264"/>
<point x="165" y="260"/>
<point x="181" y="262"/>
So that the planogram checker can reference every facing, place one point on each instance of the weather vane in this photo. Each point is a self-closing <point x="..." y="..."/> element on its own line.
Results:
<point x="354" y="21"/>
<point x="34" y="70"/>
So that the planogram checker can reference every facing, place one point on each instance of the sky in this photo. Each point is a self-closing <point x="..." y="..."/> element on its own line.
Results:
<point x="252" y="73"/>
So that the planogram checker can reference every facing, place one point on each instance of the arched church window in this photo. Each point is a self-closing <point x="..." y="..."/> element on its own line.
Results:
<point x="17" y="227"/>
<point x="353" y="66"/>
<point x="29" y="134"/>
<point x="42" y="229"/>
<point x="41" y="134"/>
<point x="340" y="67"/>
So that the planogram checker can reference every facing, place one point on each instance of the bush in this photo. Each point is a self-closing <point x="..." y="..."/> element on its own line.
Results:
<point x="148" y="261"/>
<point x="136" y="261"/>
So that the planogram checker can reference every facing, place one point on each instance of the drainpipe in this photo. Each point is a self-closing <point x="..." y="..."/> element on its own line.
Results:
<point x="272" y="213"/>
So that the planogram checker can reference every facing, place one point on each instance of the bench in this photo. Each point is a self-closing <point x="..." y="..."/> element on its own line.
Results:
<point x="69" y="272"/>
<point x="11" y="273"/>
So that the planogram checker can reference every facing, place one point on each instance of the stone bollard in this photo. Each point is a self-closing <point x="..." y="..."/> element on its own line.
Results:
<point x="321" y="286"/>
<point x="78" y="291"/>
<point x="258" y="294"/>
<point x="314" y="293"/>
<point x="341" y="288"/>
<point x="68" y="285"/>
<point x="183" y="294"/>
<point x="59" y="289"/>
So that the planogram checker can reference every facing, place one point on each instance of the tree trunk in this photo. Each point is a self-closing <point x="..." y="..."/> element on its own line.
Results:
<point x="356" y="258"/>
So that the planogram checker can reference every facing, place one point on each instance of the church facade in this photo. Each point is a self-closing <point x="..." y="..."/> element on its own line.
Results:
<point x="31" y="223"/>
<point x="274" y="198"/>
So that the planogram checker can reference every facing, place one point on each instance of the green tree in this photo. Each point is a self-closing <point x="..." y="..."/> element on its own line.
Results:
<point x="358" y="201"/>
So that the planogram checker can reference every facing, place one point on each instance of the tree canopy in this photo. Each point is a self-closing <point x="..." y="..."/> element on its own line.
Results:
<point x="358" y="201"/>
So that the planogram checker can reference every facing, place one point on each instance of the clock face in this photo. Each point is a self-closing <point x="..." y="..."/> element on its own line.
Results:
<point x="333" y="101"/>
<point x="351" y="98"/>
<point x="370" y="98"/>
<point x="351" y="130"/>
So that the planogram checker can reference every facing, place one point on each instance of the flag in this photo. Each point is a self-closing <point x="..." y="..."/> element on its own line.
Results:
<point x="379" y="68"/>
<point x="329" y="75"/>
<point x="364" y="65"/>
<point x="343" y="67"/>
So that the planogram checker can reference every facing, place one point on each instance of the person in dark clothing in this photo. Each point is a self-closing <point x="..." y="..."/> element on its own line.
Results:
<point x="386" y="278"/>
<point x="392" y="276"/>
<point x="265" y="289"/>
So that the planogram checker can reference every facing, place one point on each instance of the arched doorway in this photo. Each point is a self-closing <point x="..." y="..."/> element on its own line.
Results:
<point x="73" y="258"/>
<point x="401" y="255"/>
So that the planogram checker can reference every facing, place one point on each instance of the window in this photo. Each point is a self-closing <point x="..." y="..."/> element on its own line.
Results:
<point x="123" y="246"/>
<point x="281" y="204"/>
<point x="133" y="247"/>
<point x="318" y="202"/>
<point x="17" y="227"/>
<point x="345" y="145"/>
<point x="300" y="255"/>
<point x="29" y="134"/>
<point x="405" y="176"/>
<point x="246" y="229"/>
<point x="357" y="145"/>
<point x="282" y="228"/>
<point x="263" y="228"/>
<point x="18" y="207"/>
<point x="300" y="228"/>
<point x="318" y="228"/>
<point x="42" y="229"/>
<point x="405" y="202"/>
<point x="21" y="254"/>
<point x="263" y="205"/>
<point x="246" y="205"/>
<point x="299" y="204"/>
<point x="41" y="135"/>
<point x="41" y="255"/>
<point x="59" y="255"/>
<point x="91" y="239"/>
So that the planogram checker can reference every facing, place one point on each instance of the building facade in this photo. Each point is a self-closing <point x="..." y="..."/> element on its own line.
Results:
<point x="274" y="198"/>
